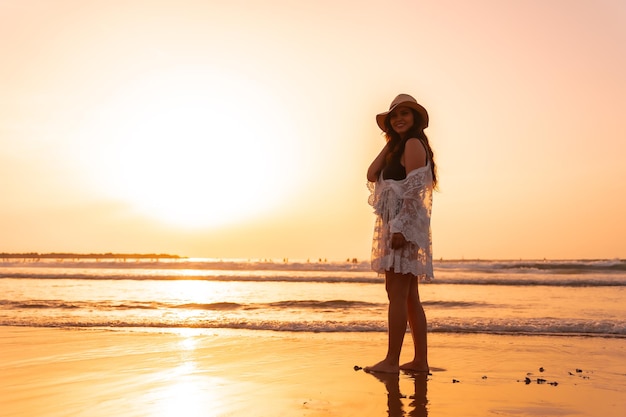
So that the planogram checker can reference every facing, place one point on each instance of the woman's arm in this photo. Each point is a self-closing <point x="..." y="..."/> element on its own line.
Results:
<point x="413" y="219"/>
<point x="377" y="165"/>
<point x="414" y="155"/>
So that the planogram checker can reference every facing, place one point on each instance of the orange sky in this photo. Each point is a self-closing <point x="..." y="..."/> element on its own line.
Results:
<point x="244" y="128"/>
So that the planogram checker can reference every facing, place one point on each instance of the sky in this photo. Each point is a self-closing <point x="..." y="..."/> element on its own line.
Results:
<point x="244" y="129"/>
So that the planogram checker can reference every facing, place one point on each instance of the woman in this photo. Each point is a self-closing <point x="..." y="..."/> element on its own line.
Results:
<point x="401" y="181"/>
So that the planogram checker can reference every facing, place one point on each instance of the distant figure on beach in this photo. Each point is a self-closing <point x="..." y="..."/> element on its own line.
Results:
<point x="401" y="181"/>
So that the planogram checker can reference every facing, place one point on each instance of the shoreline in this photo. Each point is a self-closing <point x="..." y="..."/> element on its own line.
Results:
<point x="197" y="372"/>
<point x="280" y="260"/>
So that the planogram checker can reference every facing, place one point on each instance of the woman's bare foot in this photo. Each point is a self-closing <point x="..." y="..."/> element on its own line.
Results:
<point x="384" y="367"/>
<point x="415" y="366"/>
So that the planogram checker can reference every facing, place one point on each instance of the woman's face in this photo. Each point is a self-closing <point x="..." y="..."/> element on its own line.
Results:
<point x="401" y="119"/>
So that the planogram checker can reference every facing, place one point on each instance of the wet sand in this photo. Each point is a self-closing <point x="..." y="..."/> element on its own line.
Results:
<point x="153" y="372"/>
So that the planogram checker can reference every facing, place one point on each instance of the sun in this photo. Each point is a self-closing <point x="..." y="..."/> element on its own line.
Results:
<point x="190" y="148"/>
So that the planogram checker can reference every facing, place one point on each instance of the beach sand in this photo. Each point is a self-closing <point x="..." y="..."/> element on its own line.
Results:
<point x="156" y="372"/>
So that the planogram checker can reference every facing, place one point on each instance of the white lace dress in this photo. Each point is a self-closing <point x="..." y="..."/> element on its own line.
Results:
<point x="403" y="206"/>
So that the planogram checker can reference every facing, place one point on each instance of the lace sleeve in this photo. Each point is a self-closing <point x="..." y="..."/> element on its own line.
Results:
<point x="373" y="198"/>
<point x="380" y="193"/>
<point x="413" y="219"/>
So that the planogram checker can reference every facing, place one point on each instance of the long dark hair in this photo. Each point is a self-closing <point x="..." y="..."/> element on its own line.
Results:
<point x="396" y="143"/>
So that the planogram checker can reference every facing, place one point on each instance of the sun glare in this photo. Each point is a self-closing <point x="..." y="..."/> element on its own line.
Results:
<point x="189" y="148"/>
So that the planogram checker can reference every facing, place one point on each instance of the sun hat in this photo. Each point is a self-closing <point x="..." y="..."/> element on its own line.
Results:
<point x="403" y="100"/>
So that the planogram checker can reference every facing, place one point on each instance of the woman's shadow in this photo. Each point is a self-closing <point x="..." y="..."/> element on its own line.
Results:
<point x="394" y="396"/>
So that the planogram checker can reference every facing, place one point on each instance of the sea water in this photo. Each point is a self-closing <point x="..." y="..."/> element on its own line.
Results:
<point x="565" y="298"/>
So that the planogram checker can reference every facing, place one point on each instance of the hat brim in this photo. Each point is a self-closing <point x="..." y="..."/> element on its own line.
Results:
<point x="381" y="117"/>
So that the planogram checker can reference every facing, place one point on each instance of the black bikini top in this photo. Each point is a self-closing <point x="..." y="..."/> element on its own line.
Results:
<point x="394" y="170"/>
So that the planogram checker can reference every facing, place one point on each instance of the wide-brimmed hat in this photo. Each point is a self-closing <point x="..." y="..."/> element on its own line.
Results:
<point x="403" y="100"/>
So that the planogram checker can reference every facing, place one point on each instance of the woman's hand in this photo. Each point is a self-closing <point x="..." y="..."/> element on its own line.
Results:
<point x="377" y="165"/>
<point x="398" y="241"/>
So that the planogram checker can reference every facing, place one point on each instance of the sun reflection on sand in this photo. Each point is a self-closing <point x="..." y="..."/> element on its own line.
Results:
<point x="187" y="389"/>
<point x="189" y="396"/>
<point x="188" y="337"/>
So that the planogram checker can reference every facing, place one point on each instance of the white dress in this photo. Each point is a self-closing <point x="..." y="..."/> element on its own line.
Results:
<point x="403" y="206"/>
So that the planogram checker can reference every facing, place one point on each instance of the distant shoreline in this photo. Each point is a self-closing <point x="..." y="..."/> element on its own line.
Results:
<point x="155" y="256"/>
<point x="35" y="255"/>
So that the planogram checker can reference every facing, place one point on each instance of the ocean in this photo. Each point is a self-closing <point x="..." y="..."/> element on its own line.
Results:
<point x="546" y="297"/>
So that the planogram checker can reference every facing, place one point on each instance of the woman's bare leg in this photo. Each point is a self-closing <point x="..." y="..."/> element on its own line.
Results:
<point x="398" y="287"/>
<point x="417" y="322"/>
